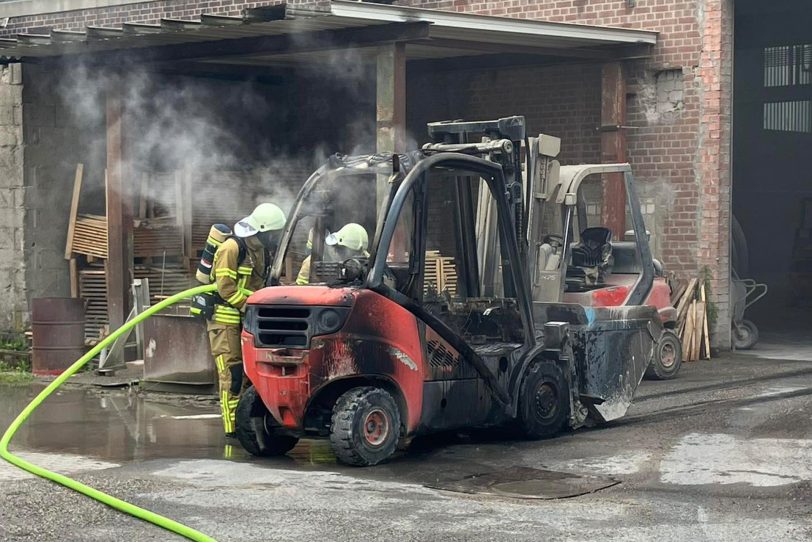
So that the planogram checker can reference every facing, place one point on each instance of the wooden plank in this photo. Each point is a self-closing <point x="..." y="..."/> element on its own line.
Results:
<point x="684" y="302"/>
<point x="74" y="278"/>
<point x="707" y="335"/>
<point x="74" y="208"/>
<point x="687" y="333"/>
<point x="699" y="326"/>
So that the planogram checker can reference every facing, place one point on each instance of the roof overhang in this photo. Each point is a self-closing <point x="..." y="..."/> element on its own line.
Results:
<point x="273" y="32"/>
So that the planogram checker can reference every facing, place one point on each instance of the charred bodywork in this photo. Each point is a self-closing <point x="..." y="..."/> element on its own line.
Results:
<point x="446" y="321"/>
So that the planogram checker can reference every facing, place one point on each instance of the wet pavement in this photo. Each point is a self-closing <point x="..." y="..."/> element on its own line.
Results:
<point x="722" y="453"/>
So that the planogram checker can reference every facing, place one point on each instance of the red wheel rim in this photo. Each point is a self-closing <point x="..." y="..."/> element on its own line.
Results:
<point x="376" y="427"/>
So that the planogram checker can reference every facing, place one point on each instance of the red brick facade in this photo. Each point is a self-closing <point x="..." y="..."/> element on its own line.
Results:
<point x="680" y="154"/>
<point x="678" y="104"/>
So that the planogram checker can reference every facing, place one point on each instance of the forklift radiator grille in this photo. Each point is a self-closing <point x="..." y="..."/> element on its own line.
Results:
<point x="439" y="356"/>
<point x="283" y="327"/>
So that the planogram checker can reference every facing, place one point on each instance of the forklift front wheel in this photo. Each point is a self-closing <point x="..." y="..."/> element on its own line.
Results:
<point x="365" y="426"/>
<point x="544" y="401"/>
<point x="667" y="358"/>
<point x="251" y="426"/>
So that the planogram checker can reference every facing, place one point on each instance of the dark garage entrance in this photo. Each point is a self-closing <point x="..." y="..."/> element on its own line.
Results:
<point x="772" y="154"/>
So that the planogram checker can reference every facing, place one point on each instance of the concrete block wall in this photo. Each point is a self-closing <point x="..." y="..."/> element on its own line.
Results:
<point x="54" y="143"/>
<point x="13" y="197"/>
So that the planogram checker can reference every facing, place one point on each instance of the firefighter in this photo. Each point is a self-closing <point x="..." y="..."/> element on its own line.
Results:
<point x="239" y="268"/>
<point x="350" y="241"/>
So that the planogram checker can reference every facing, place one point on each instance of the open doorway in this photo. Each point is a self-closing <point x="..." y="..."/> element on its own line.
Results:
<point x="772" y="177"/>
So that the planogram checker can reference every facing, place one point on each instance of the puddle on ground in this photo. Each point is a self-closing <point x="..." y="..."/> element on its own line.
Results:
<point x="89" y="429"/>
<point x="114" y="426"/>
<point x="527" y="483"/>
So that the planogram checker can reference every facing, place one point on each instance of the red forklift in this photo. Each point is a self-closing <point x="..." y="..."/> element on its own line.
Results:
<point x="459" y="312"/>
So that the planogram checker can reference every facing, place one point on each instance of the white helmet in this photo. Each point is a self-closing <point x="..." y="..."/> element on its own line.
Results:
<point x="266" y="217"/>
<point x="352" y="236"/>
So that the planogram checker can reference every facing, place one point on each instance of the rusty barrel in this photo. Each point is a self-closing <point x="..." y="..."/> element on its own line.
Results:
<point x="58" y="327"/>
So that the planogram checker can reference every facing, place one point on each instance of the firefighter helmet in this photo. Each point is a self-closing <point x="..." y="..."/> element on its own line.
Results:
<point x="352" y="236"/>
<point x="266" y="217"/>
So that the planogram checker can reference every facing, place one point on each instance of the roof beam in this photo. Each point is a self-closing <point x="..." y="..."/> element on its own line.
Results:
<point x="268" y="45"/>
<point x="495" y="48"/>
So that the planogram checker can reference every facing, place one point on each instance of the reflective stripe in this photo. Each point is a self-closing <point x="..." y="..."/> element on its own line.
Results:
<point x="238" y="297"/>
<point x="226" y="310"/>
<point x="245" y="270"/>
<point x="214" y="241"/>
<point x="225" y="272"/>
<point x="226" y="320"/>
<point x="218" y="360"/>
<point x="301" y="281"/>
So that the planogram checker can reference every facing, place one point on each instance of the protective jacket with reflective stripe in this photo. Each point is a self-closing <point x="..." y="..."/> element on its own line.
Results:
<point x="237" y="280"/>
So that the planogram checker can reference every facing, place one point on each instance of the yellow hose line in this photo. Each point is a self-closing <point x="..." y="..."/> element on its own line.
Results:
<point x="104" y="498"/>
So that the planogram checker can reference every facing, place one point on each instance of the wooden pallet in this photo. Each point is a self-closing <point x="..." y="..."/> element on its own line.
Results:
<point x="90" y="236"/>
<point x="163" y="282"/>
<point x="440" y="273"/>
<point x="157" y="237"/>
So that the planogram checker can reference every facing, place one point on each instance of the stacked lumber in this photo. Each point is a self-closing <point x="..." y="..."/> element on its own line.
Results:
<point x="93" y="290"/>
<point x="441" y="273"/>
<point x="692" y="320"/>
<point x="157" y="237"/>
<point x="90" y="236"/>
<point x="163" y="282"/>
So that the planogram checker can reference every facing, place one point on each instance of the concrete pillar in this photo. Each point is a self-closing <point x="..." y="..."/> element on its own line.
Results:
<point x="14" y="315"/>
<point x="119" y="217"/>
<point x="391" y="102"/>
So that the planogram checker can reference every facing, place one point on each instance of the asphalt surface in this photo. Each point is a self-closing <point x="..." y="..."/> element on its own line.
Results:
<point x="724" y="452"/>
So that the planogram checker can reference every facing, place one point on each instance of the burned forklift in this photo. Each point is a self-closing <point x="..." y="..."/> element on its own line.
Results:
<point x="451" y="318"/>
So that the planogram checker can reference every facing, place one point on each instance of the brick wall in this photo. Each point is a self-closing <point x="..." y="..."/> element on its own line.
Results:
<point x="144" y="12"/>
<point x="678" y="105"/>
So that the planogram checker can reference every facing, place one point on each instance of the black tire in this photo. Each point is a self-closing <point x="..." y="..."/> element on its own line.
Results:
<point x="745" y="335"/>
<point x="252" y="428"/>
<point x="667" y="358"/>
<point x="544" y="404"/>
<point x="365" y="426"/>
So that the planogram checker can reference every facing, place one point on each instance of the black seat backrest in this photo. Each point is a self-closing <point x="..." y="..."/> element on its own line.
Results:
<point x="595" y="248"/>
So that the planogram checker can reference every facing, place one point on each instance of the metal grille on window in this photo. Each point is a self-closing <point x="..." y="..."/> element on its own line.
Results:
<point x="788" y="65"/>
<point x="793" y="116"/>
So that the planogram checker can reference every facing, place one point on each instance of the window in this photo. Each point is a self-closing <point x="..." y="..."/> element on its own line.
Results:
<point x="788" y="65"/>
<point x="795" y="116"/>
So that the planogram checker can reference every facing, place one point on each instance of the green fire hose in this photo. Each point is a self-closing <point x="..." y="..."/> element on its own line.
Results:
<point x="100" y="496"/>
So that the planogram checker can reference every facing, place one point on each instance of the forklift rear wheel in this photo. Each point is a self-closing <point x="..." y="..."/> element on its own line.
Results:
<point x="745" y="335"/>
<point x="365" y="426"/>
<point x="667" y="357"/>
<point x="544" y="402"/>
<point x="253" y="428"/>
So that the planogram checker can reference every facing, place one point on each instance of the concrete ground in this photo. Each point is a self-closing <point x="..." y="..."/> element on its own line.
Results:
<point x="722" y="453"/>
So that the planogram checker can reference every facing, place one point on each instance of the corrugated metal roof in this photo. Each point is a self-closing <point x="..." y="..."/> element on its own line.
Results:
<point x="454" y="32"/>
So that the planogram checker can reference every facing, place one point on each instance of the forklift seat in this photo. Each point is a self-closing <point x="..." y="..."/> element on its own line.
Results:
<point x="595" y="248"/>
<point x="591" y="258"/>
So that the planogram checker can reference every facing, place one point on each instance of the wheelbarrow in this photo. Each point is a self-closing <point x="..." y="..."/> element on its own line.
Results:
<point x="745" y="292"/>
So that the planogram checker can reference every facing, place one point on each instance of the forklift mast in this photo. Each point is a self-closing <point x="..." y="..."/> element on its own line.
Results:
<point x="498" y="140"/>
